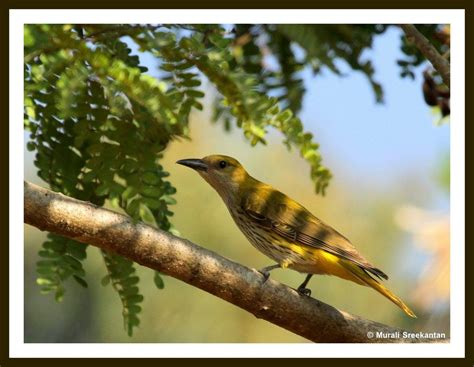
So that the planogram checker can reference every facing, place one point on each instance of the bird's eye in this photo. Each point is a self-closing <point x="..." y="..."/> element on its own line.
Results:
<point x="222" y="164"/>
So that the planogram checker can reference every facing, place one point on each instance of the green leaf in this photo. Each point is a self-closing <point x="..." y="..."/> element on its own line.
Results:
<point x="46" y="271"/>
<point x="45" y="281"/>
<point x="129" y="292"/>
<point x="146" y="215"/>
<point x="133" y="320"/>
<point x="49" y="254"/>
<point x="284" y="116"/>
<point x="160" y="284"/>
<point x="46" y="263"/>
<point x="105" y="280"/>
<point x="73" y="262"/>
<point x="194" y="93"/>
<point x="59" y="295"/>
<point x="129" y="281"/>
<point x="190" y="83"/>
<point x="129" y="192"/>
<point x="30" y="146"/>
<point x="76" y="249"/>
<point x="150" y="178"/>
<point x="80" y="280"/>
<point x="56" y="246"/>
<point x="102" y="190"/>
<point x="137" y="298"/>
<point x="134" y="309"/>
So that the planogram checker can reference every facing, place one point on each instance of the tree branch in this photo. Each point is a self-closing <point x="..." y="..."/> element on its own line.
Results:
<point x="197" y="266"/>
<point x="429" y="51"/>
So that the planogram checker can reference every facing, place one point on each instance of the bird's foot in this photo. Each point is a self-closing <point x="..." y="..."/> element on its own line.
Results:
<point x="302" y="288"/>
<point x="304" y="291"/>
<point x="265" y="273"/>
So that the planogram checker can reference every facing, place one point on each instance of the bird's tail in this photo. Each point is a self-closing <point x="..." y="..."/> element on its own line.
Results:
<point x="365" y="279"/>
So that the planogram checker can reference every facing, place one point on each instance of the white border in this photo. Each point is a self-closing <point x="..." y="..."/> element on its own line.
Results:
<point x="454" y="349"/>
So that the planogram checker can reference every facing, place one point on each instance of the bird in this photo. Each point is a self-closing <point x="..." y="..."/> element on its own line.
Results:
<point x="285" y="231"/>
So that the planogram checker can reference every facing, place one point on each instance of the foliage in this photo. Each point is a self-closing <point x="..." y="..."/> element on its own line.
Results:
<point x="326" y="44"/>
<point x="61" y="259"/>
<point x="121" y="273"/>
<point x="99" y="123"/>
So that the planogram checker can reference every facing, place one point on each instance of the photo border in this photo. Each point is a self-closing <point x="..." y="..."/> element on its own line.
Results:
<point x="5" y="347"/>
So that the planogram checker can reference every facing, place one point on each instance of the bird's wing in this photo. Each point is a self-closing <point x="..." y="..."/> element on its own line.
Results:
<point x="284" y="216"/>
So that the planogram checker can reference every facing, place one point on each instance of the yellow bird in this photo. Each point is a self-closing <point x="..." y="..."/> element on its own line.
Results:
<point x="285" y="231"/>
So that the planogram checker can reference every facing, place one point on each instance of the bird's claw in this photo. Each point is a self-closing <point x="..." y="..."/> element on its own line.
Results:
<point x="266" y="271"/>
<point x="304" y="291"/>
<point x="266" y="275"/>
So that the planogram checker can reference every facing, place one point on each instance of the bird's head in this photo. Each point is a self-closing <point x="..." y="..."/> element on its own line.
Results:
<point x="225" y="174"/>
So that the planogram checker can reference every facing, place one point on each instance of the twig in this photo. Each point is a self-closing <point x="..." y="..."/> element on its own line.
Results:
<point x="201" y="268"/>
<point x="429" y="51"/>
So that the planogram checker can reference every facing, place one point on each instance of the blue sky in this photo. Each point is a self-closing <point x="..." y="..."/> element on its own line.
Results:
<point x="387" y="138"/>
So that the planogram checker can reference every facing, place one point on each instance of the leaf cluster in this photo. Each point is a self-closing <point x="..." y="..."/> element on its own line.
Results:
<point x="99" y="127"/>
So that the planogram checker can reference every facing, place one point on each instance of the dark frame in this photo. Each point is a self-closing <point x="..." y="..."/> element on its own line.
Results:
<point x="5" y="359"/>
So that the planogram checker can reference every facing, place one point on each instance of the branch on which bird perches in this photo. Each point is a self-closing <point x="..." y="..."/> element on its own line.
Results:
<point x="199" y="267"/>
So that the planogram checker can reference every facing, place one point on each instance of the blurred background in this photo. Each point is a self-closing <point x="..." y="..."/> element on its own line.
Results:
<point x="389" y="196"/>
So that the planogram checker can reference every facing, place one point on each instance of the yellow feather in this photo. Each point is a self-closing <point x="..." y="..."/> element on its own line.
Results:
<point x="329" y="264"/>
<point x="367" y="280"/>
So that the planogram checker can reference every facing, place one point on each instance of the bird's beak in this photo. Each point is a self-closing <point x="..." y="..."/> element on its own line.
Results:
<point x="196" y="164"/>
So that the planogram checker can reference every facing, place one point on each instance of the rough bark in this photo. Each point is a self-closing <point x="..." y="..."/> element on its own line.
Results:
<point x="429" y="51"/>
<point x="199" y="267"/>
